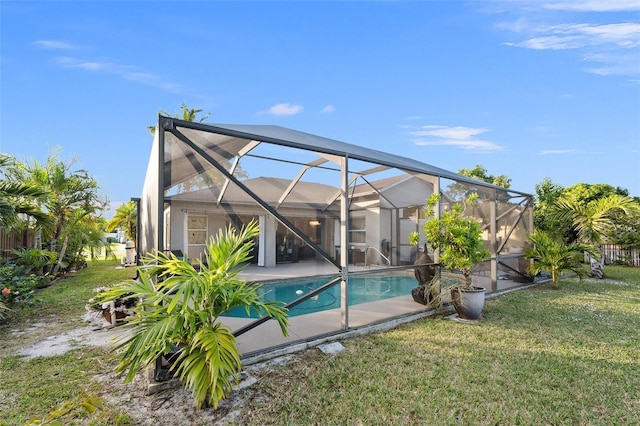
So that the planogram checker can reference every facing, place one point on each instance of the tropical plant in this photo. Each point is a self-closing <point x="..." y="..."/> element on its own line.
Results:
<point x="87" y="236"/>
<point x="34" y="260"/>
<point x="125" y="218"/>
<point x="457" y="238"/>
<point x="460" y="191"/>
<point x="211" y="176"/>
<point x="180" y="307"/>
<point x="626" y="233"/>
<point x="71" y="196"/>
<point x="555" y="257"/>
<point x="547" y="193"/>
<point x="480" y="173"/>
<point x="124" y="302"/>
<point x="3" y="310"/>
<point x="17" y="199"/>
<point x="585" y="192"/>
<point x="593" y="220"/>
<point x="626" y="230"/>
<point x="87" y="402"/>
<point x="186" y="114"/>
<point x="414" y="238"/>
<point x="17" y="284"/>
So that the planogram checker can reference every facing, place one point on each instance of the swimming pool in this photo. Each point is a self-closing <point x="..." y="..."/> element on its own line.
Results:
<point x="362" y="289"/>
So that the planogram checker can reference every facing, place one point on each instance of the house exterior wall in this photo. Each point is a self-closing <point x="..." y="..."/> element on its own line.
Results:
<point x="410" y="192"/>
<point x="218" y="218"/>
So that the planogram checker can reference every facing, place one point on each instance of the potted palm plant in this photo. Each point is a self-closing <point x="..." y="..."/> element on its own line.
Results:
<point x="179" y="314"/>
<point x="460" y="246"/>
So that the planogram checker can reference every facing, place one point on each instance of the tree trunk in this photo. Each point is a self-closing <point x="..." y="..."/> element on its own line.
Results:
<point x="63" y="251"/>
<point x="468" y="280"/>
<point x="597" y="268"/>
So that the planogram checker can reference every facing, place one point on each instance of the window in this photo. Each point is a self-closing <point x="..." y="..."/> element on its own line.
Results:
<point x="196" y="230"/>
<point x="357" y="230"/>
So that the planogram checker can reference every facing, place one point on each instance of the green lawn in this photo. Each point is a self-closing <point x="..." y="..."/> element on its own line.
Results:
<point x="35" y="387"/>
<point x="540" y="356"/>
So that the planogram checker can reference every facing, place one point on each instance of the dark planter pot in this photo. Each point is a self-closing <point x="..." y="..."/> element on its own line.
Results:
<point x="163" y="371"/>
<point x="468" y="303"/>
<point x="425" y="295"/>
<point x="418" y="295"/>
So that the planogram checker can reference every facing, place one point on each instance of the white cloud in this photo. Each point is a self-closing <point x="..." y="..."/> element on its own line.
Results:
<point x="285" y="109"/>
<point x="557" y="151"/>
<point x="328" y="109"/>
<point x="625" y="34"/>
<point x="593" y="5"/>
<point x="475" y="144"/>
<point x="127" y="72"/>
<point x="70" y="62"/>
<point x="94" y="66"/>
<point x="576" y="36"/>
<point x="457" y="132"/>
<point x="615" y="46"/>
<point x="53" y="44"/>
<point x="456" y="136"/>
<point x="549" y="43"/>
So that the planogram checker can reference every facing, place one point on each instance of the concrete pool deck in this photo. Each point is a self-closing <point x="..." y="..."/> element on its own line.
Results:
<point x="314" y="328"/>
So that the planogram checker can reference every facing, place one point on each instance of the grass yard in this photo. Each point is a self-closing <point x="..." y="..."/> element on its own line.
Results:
<point x="34" y="387"/>
<point x="540" y="356"/>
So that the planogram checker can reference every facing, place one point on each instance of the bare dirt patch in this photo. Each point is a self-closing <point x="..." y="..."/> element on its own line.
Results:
<point x="174" y="406"/>
<point x="61" y="343"/>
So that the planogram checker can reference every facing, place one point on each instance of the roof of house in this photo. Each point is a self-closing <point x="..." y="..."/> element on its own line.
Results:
<point x="226" y="141"/>
<point x="303" y="195"/>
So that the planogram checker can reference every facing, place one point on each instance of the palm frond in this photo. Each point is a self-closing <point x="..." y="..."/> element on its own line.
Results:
<point x="151" y="338"/>
<point x="209" y="363"/>
<point x="180" y="308"/>
<point x="554" y="256"/>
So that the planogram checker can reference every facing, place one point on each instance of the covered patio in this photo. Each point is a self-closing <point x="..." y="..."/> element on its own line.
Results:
<point x="326" y="209"/>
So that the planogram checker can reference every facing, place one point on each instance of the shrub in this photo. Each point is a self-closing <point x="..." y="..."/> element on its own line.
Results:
<point x="16" y="285"/>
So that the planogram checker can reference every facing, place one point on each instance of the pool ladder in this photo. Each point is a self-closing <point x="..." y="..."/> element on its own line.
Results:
<point x="377" y="251"/>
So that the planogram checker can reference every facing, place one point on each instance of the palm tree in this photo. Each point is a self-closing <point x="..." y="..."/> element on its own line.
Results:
<point x="71" y="195"/>
<point x="188" y="114"/>
<point x="555" y="257"/>
<point x="125" y="218"/>
<point x="181" y="308"/>
<point x="18" y="198"/>
<point x="210" y="177"/>
<point x="593" y="220"/>
<point x="87" y="236"/>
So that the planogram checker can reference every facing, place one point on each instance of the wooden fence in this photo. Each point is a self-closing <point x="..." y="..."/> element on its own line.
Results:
<point x="13" y="239"/>
<point x="613" y="254"/>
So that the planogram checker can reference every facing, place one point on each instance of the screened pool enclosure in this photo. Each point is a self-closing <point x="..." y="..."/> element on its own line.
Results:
<point x="328" y="210"/>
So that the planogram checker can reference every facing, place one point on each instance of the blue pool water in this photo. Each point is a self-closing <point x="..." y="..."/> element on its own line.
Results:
<point x="362" y="289"/>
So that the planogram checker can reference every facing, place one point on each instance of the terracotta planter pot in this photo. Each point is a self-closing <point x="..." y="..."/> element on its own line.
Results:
<point x="468" y="303"/>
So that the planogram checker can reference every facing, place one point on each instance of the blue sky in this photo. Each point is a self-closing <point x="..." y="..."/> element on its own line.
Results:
<point x="529" y="89"/>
